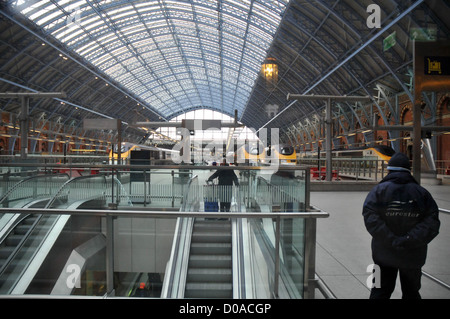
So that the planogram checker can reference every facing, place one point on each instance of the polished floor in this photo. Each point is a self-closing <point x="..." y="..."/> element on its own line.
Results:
<point x="343" y="246"/>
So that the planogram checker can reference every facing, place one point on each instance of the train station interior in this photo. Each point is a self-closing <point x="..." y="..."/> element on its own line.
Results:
<point x="201" y="149"/>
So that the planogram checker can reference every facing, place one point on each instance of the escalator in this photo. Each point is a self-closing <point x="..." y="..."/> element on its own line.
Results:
<point x="209" y="272"/>
<point x="140" y="285"/>
<point x="31" y="192"/>
<point x="26" y="243"/>
<point x="15" y="238"/>
<point x="25" y="248"/>
<point x="201" y="262"/>
<point x="210" y="258"/>
<point x="237" y="258"/>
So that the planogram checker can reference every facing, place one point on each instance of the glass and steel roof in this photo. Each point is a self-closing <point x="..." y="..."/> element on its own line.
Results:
<point x="173" y="55"/>
<point x="155" y="60"/>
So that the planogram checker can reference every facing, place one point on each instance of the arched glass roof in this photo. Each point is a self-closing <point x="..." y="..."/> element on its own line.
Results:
<point x="154" y="60"/>
<point x="174" y="55"/>
<point x="241" y="133"/>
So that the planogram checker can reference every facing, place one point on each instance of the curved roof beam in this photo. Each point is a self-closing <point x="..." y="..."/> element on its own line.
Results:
<point x="69" y="56"/>
<point x="352" y="53"/>
<point x="368" y="44"/>
<point x="107" y="34"/>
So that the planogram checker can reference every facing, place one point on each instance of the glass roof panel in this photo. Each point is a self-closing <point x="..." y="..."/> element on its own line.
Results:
<point x="174" y="55"/>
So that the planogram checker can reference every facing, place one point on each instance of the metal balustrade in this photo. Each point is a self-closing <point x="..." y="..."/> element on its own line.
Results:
<point x="273" y="230"/>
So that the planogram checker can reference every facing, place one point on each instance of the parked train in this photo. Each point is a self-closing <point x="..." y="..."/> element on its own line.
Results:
<point x="284" y="154"/>
<point x="251" y="154"/>
<point x="156" y="154"/>
<point x="381" y="152"/>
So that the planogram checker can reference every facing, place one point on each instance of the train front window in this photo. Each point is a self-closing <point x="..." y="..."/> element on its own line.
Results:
<point x="287" y="150"/>
<point x="123" y="149"/>
<point x="253" y="150"/>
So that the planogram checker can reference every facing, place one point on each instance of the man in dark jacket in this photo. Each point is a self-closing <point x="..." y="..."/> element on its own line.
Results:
<point x="402" y="218"/>
<point x="226" y="179"/>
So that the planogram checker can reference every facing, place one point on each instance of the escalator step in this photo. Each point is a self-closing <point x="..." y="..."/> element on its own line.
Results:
<point x="205" y="248"/>
<point x="213" y="225"/>
<point x="6" y="251"/>
<point x="211" y="237"/>
<point x="210" y="261"/>
<point x="222" y="275"/>
<point x="14" y="240"/>
<point x="209" y="290"/>
<point x="22" y="229"/>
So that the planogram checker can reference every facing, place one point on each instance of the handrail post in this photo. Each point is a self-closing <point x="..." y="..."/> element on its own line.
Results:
<point x="145" y="188"/>
<point x="112" y="186"/>
<point x="277" y="258"/>
<point x="310" y="259"/>
<point x="376" y="170"/>
<point x="110" y="255"/>
<point x="173" y="188"/>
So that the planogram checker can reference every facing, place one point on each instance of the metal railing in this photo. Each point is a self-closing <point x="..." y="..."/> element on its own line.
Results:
<point x="443" y="167"/>
<point x="59" y="198"/>
<point x="351" y="168"/>
<point x="250" y="178"/>
<point x="36" y="186"/>
<point x="110" y="214"/>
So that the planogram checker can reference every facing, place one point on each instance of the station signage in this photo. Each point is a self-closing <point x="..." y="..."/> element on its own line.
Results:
<point x="437" y="65"/>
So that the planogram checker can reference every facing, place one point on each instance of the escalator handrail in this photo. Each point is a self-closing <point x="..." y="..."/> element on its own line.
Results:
<point x="20" y="219"/>
<point x="173" y="288"/>
<point x="239" y="273"/>
<point x="37" y="221"/>
<point x="18" y="184"/>
<point x="73" y="179"/>
<point x="186" y="195"/>
<point x="180" y="249"/>
<point x="20" y="244"/>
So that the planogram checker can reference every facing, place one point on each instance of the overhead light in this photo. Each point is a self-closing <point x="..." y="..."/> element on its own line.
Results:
<point x="269" y="70"/>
